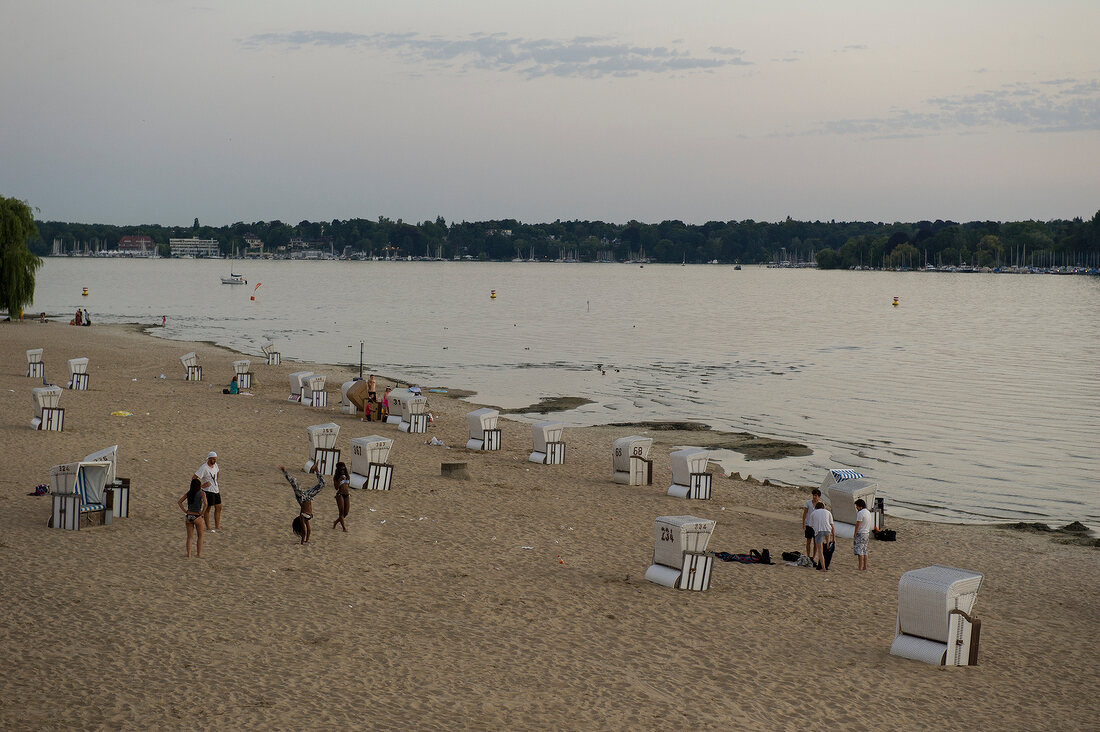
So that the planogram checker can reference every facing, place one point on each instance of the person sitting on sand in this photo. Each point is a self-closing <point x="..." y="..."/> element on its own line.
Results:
<point x="300" y="525"/>
<point x="195" y="499"/>
<point x="824" y="532"/>
<point x="343" y="494"/>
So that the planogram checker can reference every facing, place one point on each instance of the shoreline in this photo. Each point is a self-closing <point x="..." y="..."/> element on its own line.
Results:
<point x="759" y="448"/>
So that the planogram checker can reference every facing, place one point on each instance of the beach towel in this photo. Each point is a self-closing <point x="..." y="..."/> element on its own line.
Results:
<point x="753" y="557"/>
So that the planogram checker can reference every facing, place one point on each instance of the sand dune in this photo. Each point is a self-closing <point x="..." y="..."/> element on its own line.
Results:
<point x="514" y="600"/>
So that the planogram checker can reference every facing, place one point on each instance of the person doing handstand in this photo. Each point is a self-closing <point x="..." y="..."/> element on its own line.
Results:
<point x="305" y="502"/>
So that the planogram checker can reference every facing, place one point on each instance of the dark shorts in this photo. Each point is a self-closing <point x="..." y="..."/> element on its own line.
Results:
<point x="809" y="532"/>
<point x="213" y="499"/>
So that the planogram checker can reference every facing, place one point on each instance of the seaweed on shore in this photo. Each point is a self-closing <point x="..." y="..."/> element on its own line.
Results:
<point x="550" y="404"/>
<point x="1075" y="533"/>
<point x="746" y="443"/>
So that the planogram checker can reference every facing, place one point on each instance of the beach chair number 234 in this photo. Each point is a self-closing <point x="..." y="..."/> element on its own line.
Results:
<point x="666" y="534"/>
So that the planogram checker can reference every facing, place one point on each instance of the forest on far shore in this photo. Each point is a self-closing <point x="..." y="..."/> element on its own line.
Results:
<point x="830" y="244"/>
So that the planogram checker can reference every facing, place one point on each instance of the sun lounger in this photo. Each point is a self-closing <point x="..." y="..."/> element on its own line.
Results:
<point x="414" y="414"/>
<point x="630" y="460"/>
<point x="313" y="391"/>
<point x="934" y="620"/>
<point x="484" y="434"/>
<point x="297" y="384"/>
<point x="370" y="467"/>
<point x="241" y="370"/>
<point x="79" y="495"/>
<point x="78" y="374"/>
<point x="546" y="443"/>
<point x="47" y="414"/>
<point x="190" y="363"/>
<point x="842" y="497"/>
<point x="322" y="447"/>
<point x="120" y="486"/>
<point x="690" y="478"/>
<point x="274" y="358"/>
<point x="35" y="367"/>
<point x="679" y="552"/>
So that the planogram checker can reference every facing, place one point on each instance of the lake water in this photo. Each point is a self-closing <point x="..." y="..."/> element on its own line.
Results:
<point x="977" y="399"/>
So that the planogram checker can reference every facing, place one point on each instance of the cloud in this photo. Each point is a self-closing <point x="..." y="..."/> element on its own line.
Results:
<point x="584" y="56"/>
<point x="1058" y="105"/>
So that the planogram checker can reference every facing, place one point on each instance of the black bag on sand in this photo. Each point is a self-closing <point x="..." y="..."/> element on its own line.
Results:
<point x="791" y="556"/>
<point x="828" y="550"/>
<point x="885" y="535"/>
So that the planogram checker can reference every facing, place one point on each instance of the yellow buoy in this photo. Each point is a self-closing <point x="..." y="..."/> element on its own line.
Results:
<point x="85" y="293"/>
<point x="492" y="294"/>
<point x="896" y="303"/>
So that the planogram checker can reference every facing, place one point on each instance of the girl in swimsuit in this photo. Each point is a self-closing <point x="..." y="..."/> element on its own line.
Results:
<point x="300" y="525"/>
<point x="195" y="499"/>
<point x="343" y="494"/>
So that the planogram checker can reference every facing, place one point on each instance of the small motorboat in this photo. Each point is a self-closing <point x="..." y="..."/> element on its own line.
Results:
<point x="234" y="279"/>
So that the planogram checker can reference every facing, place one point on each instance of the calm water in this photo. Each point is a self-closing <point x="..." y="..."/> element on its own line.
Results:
<point x="977" y="399"/>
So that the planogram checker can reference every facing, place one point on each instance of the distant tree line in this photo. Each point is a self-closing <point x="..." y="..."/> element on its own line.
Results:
<point x="831" y="244"/>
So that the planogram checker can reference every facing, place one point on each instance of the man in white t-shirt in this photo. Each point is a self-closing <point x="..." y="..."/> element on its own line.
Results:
<point x="807" y="509"/>
<point x="862" y="536"/>
<point x="207" y="475"/>
<point x="821" y="521"/>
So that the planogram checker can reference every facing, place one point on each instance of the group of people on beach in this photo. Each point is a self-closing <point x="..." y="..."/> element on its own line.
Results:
<point x="81" y="318"/>
<point x="820" y="532"/>
<point x="203" y="498"/>
<point x="376" y="408"/>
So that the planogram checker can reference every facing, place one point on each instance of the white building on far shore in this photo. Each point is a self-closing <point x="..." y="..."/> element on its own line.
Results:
<point x="194" y="247"/>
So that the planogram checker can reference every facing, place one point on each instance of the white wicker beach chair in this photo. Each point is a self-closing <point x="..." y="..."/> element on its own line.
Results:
<point x="935" y="624"/>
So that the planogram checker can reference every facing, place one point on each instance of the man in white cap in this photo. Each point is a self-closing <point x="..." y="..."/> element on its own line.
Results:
<point x="207" y="475"/>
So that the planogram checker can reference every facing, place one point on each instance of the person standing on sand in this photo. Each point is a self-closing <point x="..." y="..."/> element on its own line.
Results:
<point x="372" y="389"/>
<point x="822" y="522"/>
<point x="305" y="501"/>
<point x="862" y="536"/>
<point x="207" y="475"/>
<point x="195" y="501"/>
<point x="385" y="404"/>
<point x="808" y="508"/>
<point x="343" y="494"/>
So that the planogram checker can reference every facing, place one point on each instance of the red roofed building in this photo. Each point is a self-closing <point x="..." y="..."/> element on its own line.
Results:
<point x="137" y="246"/>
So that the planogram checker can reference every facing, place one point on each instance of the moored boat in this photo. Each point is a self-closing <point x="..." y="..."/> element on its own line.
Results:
<point x="234" y="279"/>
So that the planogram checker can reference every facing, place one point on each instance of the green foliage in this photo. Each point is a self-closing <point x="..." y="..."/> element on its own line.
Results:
<point x="17" y="263"/>
<point x="870" y="244"/>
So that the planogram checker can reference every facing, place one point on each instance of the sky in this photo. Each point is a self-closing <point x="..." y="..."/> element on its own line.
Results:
<point x="158" y="112"/>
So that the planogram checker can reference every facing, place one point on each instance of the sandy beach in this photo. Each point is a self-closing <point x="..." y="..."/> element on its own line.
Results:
<point x="515" y="600"/>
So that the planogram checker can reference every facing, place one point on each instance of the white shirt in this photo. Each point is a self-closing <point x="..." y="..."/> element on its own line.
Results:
<point x="208" y="475"/>
<point x="864" y="520"/>
<point x="822" y="520"/>
<point x="809" y="507"/>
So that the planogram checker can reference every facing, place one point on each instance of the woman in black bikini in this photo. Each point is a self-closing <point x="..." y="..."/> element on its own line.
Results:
<point x="300" y="525"/>
<point x="343" y="494"/>
<point x="195" y="499"/>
